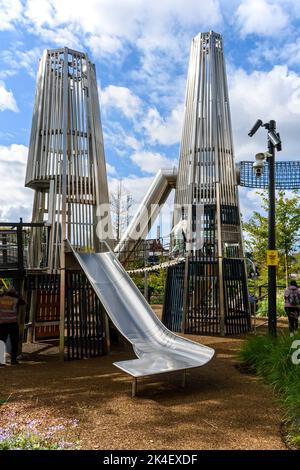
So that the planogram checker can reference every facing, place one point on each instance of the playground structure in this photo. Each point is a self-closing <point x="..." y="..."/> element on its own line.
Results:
<point x="206" y="292"/>
<point x="66" y="169"/>
<point x="72" y="289"/>
<point x="213" y="277"/>
<point x="158" y="349"/>
<point x="76" y="287"/>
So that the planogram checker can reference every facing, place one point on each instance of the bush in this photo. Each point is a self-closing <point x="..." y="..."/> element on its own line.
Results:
<point x="272" y="359"/>
<point x="262" y="310"/>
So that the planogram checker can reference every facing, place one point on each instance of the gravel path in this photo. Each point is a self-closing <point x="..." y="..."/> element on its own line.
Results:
<point x="220" y="408"/>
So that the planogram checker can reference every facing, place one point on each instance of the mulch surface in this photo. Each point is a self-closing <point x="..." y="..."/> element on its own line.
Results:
<point x="222" y="407"/>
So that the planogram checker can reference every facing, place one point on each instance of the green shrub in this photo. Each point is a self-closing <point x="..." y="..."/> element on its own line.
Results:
<point x="262" y="307"/>
<point x="272" y="359"/>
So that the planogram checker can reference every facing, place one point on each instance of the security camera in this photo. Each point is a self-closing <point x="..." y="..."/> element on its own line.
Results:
<point x="258" y="165"/>
<point x="255" y="128"/>
<point x="261" y="156"/>
<point x="258" y="168"/>
<point x="275" y="139"/>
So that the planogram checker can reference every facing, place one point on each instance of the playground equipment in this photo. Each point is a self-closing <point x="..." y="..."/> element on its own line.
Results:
<point x="66" y="169"/>
<point x="287" y="175"/>
<point x="2" y="353"/>
<point x="158" y="349"/>
<point x="141" y="223"/>
<point x="66" y="163"/>
<point x="71" y="277"/>
<point x="207" y="292"/>
<point x="74" y="286"/>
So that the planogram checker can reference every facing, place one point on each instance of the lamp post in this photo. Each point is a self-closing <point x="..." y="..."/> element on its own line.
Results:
<point x="274" y="143"/>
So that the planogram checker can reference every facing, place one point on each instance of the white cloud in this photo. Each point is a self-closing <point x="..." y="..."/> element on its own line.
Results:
<point x="16" y="59"/>
<point x="136" y="185"/>
<point x="15" y="199"/>
<point x="263" y="17"/>
<point x="14" y="154"/>
<point x="132" y="142"/>
<point x="7" y="100"/>
<point x="151" y="162"/>
<point x="288" y="53"/>
<point x="274" y="94"/>
<point x="121" y="98"/>
<point x="128" y="19"/>
<point x="10" y="12"/>
<point x="165" y="131"/>
<point x="102" y="45"/>
<point x="250" y="201"/>
<point x="110" y="169"/>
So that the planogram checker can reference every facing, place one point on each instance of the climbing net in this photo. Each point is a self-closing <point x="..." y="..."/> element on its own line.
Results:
<point x="287" y="175"/>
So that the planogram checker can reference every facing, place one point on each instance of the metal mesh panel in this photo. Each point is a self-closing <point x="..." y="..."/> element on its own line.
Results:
<point x="173" y="304"/>
<point x="8" y="249"/>
<point x="203" y="316"/>
<point x="287" y="175"/>
<point x="236" y="298"/>
<point x="84" y="319"/>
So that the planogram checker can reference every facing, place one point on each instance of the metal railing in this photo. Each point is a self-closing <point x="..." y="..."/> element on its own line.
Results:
<point x="18" y="250"/>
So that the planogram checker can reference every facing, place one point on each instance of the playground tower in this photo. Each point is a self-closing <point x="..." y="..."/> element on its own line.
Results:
<point x="208" y="293"/>
<point x="66" y="162"/>
<point x="67" y="171"/>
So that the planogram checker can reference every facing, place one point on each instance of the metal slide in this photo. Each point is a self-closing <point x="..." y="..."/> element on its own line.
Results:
<point x="158" y="349"/>
<point x="140" y="225"/>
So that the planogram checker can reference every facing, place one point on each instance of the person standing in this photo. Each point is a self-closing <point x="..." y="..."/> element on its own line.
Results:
<point x="292" y="306"/>
<point x="9" y="303"/>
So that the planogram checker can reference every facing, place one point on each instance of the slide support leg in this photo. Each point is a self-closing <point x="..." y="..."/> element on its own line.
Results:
<point x="183" y="384"/>
<point x="134" y="387"/>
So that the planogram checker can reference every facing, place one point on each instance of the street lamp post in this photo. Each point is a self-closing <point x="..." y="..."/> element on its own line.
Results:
<point x="274" y="143"/>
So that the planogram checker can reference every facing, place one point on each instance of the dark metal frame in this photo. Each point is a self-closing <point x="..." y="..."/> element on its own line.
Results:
<point x="84" y="319"/>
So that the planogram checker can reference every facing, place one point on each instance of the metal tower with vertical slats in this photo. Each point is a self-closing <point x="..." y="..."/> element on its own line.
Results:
<point x="66" y="163"/>
<point x="67" y="171"/>
<point x="213" y="297"/>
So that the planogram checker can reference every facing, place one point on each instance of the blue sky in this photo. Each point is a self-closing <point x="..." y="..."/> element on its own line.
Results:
<point x="141" y="51"/>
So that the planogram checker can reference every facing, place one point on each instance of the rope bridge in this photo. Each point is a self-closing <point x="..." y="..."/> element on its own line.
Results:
<point x="287" y="175"/>
<point x="163" y="265"/>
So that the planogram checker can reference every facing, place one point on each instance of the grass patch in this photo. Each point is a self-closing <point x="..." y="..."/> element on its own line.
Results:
<point x="272" y="359"/>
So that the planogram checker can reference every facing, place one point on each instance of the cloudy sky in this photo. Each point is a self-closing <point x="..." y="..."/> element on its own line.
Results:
<point x="141" y="50"/>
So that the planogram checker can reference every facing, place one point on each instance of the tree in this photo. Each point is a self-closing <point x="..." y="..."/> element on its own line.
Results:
<point x="121" y="203"/>
<point x="287" y="232"/>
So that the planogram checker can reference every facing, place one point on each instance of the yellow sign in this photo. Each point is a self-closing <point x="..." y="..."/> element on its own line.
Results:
<point x="4" y="283"/>
<point x="272" y="258"/>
